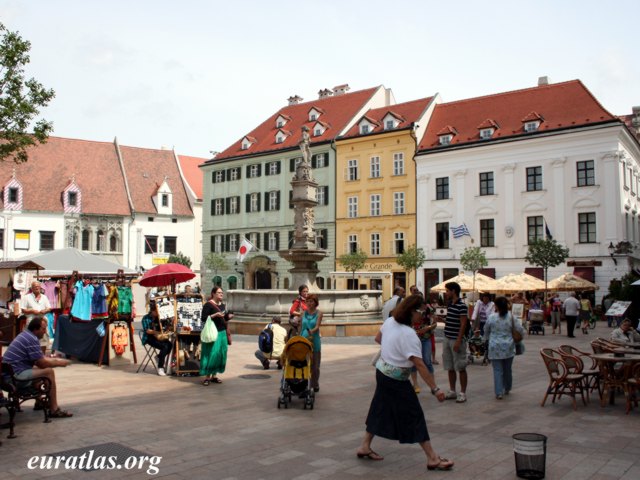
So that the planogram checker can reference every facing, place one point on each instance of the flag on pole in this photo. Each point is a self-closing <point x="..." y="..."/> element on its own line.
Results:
<point x="547" y="231"/>
<point x="245" y="247"/>
<point x="460" y="231"/>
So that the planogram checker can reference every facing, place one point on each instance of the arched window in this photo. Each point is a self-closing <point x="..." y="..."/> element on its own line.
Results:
<point x="320" y="282"/>
<point x="286" y="284"/>
<point x="86" y="237"/>
<point x="217" y="281"/>
<point x="232" y="281"/>
<point x="113" y="243"/>
<point x="100" y="241"/>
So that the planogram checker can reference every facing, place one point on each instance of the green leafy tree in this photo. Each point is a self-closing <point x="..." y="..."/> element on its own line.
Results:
<point x="215" y="262"/>
<point x="472" y="260"/>
<point x="352" y="262"/>
<point x="546" y="253"/>
<point x="411" y="259"/>
<point x="621" y="289"/>
<point x="20" y="100"/>
<point x="180" y="258"/>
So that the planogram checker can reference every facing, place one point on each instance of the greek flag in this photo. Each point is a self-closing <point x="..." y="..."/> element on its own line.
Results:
<point x="460" y="231"/>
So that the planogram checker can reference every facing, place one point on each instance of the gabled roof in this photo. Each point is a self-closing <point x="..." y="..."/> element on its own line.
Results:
<point x="488" y="123"/>
<point x="50" y="167"/>
<point x="561" y="105"/>
<point x="192" y="174"/>
<point x="447" y="130"/>
<point x="406" y="113"/>
<point x="146" y="170"/>
<point x="532" y="117"/>
<point x="337" y="110"/>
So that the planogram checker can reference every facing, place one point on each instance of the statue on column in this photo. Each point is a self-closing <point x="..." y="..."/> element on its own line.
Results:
<point x="303" y="170"/>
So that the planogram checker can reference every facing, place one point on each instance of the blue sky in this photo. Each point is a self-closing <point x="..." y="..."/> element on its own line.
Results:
<point x="199" y="75"/>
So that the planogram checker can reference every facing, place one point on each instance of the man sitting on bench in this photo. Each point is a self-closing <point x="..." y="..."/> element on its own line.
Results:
<point x="29" y="363"/>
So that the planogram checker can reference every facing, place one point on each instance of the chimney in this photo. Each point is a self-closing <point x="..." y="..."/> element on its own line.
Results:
<point x="341" y="89"/>
<point x="324" y="93"/>
<point x="635" y="120"/>
<point x="543" y="81"/>
<point x="294" y="100"/>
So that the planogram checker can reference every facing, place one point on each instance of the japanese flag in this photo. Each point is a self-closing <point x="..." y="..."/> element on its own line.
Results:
<point x="245" y="247"/>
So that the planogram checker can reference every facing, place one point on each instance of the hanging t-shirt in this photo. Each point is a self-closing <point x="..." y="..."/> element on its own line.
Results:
<point x="81" y="308"/>
<point x="99" y="302"/>
<point x="50" y="289"/>
<point x="125" y="297"/>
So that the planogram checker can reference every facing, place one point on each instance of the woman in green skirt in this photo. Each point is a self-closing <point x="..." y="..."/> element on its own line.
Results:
<point x="213" y="356"/>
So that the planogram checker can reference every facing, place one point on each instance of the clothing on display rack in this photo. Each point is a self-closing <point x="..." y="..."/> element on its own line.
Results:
<point x="99" y="302"/>
<point x="81" y="309"/>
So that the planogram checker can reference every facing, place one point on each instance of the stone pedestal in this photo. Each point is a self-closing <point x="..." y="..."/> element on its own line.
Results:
<point x="305" y="266"/>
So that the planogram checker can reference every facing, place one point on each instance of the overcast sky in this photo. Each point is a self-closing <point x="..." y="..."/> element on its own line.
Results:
<point x="198" y="75"/>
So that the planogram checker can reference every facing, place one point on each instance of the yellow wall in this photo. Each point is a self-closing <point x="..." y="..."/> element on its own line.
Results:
<point x="383" y="145"/>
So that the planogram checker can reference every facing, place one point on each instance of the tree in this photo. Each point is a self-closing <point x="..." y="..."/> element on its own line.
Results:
<point x="180" y="258"/>
<point x="215" y="262"/>
<point x="354" y="261"/>
<point x="546" y="253"/>
<point x="20" y="100"/>
<point x="411" y="259"/>
<point x="472" y="260"/>
<point x="621" y="289"/>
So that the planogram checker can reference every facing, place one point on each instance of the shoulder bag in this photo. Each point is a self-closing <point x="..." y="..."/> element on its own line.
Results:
<point x="517" y="337"/>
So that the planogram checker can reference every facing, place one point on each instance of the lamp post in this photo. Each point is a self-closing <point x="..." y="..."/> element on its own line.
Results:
<point x="612" y="251"/>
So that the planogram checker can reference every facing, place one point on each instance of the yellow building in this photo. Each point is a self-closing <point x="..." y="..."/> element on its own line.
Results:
<point x="376" y="193"/>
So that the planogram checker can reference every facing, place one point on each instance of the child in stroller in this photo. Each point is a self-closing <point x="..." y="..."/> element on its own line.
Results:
<point x="296" y="374"/>
<point x="477" y="348"/>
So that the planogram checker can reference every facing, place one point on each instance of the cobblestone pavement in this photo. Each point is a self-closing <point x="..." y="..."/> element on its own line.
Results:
<point x="234" y="430"/>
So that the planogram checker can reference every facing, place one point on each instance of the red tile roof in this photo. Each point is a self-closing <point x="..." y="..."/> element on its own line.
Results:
<point x="192" y="173"/>
<point x="628" y="121"/>
<point x="146" y="169"/>
<point x="338" y="110"/>
<point x="51" y="166"/>
<point x="407" y="113"/>
<point x="560" y="105"/>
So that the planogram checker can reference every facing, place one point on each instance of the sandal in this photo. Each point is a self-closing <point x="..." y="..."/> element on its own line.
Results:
<point x="205" y="382"/>
<point x="370" y="456"/>
<point x="443" y="464"/>
<point x="216" y="380"/>
<point x="59" y="413"/>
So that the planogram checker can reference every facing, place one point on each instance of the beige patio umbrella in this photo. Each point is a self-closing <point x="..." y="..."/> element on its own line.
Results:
<point x="518" y="282"/>
<point x="483" y="283"/>
<point x="568" y="282"/>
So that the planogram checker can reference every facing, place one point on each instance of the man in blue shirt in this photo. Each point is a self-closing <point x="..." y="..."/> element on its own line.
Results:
<point x="29" y="363"/>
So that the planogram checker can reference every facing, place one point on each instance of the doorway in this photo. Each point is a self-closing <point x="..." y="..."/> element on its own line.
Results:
<point x="263" y="279"/>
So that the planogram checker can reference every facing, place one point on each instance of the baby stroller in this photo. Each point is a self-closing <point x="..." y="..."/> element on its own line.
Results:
<point x="536" y="322"/>
<point x="296" y="374"/>
<point x="477" y="350"/>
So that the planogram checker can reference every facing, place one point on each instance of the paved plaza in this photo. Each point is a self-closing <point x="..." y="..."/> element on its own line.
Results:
<point x="234" y="430"/>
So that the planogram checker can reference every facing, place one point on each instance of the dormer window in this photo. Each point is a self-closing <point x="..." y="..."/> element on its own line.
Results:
<point x="318" y="129"/>
<point x="279" y="139"/>
<point x="364" y="129"/>
<point x="486" y="133"/>
<point x="72" y="198"/>
<point x="389" y="125"/>
<point x="281" y="135"/>
<point x="445" y="139"/>
<point x="281" y="121"/>
<point x="531" y="126"/>
<point x="391" y="121"/>
<point x="13" y="195"/>
<point x="314" y="114"/>
<point x="165" y="200"/>
<point x="247" y="142"/>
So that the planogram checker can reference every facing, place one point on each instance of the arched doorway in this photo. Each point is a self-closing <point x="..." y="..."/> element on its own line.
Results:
<point x="263" y="279"/>
<point x="259" y="273"/>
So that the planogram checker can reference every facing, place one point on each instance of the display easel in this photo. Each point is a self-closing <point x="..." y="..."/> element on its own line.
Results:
<point x="187" y="325"/>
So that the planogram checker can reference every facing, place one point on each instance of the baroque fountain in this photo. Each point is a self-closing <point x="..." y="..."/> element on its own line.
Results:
<point x="346" y="312"/>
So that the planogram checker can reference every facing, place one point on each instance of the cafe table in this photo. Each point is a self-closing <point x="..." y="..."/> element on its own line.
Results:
<point x="613" y="377"/>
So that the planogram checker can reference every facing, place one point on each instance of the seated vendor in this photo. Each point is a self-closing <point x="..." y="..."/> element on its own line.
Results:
<point x="151" y="331"/>
<point x="279" y="341"/>
<point x="29" y="363"/>
<point x="625" y="333"/>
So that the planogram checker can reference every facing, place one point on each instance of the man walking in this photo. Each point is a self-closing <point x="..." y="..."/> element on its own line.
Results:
<point x="398" y="295"/>
<point x="571" y="307"/>
<point x="454" y="346"/>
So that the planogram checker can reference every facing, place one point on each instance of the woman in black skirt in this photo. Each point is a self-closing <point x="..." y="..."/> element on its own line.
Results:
<point x="395" y="412"/>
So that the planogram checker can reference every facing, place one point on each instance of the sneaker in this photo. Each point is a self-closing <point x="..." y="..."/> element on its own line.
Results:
<point x="451" y="395"/>
<point x="461" y="398"/>
<point x="416" y="389"/>
<point x="161" y="372"/>
<point x="499" y="397"/>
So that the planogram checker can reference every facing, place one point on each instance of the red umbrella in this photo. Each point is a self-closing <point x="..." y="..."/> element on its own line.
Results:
<point x="166" y="274"/>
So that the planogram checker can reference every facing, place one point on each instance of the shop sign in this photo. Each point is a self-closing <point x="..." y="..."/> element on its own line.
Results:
<point x="159" y="258"/>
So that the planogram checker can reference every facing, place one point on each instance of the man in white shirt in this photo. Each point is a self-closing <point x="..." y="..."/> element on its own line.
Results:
<point x="398" y="295"/>
<point x="481" y="312"/>
<point x="36" y="304"/>
<point x="571" y="307"/>
<point x="279" y="342"/>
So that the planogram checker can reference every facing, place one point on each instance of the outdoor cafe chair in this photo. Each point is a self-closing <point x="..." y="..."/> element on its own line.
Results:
<point x="633" y="386"/>
<point x="150" y="356"/>
<point x="561" y="381"/>
<point x="589" y="367"/>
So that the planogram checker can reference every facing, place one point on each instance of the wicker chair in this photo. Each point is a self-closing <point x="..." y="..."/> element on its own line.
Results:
<point x="561" y="381"/>
<point x="589" y="368"/>
<point x="634" y="386"/>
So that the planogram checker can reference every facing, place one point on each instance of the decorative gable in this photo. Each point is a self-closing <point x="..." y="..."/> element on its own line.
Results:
<point x="315" y="113"/>
<point x="247" y="142"/>
<point x="532" y="122"/>
<point x="163" y="199"/>
<point x="319" y="128"/>
<point x="445" y="136"/>
<point x="13" y="194"/>
<point x="487" y="128"/>
<point x="391" y="121"/>
<point x="282" y="120"/>
<point x="367" y="125"/>
<point x="72" y="198"/>
<point x="281" y="135"/>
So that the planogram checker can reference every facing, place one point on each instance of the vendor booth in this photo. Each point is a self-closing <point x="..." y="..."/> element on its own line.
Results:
<point x="13" y="273"/>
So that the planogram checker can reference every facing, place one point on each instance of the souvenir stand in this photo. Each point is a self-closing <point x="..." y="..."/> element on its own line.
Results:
<point x="187" y="325"/>
<point x="9" y="303"/>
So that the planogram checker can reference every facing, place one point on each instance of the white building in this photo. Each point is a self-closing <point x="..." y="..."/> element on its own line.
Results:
<point x="518" y="166"/>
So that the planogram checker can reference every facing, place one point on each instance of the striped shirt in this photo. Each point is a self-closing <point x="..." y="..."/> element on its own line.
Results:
<point x="452" y="323"/>
<point x="23" y="352"/>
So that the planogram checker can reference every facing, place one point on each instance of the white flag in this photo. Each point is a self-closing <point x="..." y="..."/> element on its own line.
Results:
<point x="245" y="247"/>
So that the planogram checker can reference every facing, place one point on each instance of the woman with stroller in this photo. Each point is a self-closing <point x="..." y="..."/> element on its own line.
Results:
<point x="395" y="412"/>
<point x="213" y="356"/>
<point x="502" y="348"/>
<point x="310" y="329"/>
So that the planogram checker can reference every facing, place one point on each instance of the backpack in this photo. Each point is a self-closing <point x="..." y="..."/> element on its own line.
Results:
<point x="265" y="340"/>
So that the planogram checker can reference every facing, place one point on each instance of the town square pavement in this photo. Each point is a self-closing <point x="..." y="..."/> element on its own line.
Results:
<point x="233" y="430"/>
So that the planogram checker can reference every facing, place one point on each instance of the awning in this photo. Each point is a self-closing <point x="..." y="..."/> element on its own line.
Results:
<point x="20" y="265"/>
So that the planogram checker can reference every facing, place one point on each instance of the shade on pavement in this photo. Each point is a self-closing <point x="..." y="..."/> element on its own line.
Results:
<point x="568" y="282"/>
<point x="482" y="283"/>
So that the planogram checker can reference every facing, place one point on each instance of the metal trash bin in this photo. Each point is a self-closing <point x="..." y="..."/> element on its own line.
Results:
<point x="530" y="450"/>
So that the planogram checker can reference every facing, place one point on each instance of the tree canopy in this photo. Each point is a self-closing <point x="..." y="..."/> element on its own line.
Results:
<point x="411" y="259"/>
<point x="354" y="261"/>
<point x="215" y="261"/>
<point x="20" y="100"/>
<point x="180" y="258"/>
<point x="472" y="260"/>
<point x="546" y="253"/>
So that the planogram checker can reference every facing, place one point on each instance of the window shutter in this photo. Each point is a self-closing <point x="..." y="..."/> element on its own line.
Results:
<point x="266" y="201"/>
<point x="237" y="240"/>
<point x="213" y="177"/>
<point x="267" y="169"/>
<point x="258" y="203"/>
<point x="248" y="171"/>
<point x="277" y="240"/>
<point x="290" y="198"/>
<point x="314" y="163"/>
<point x="213" y="207"/>
<point x="224" y="175"/>
<point x="326" y="195"/>
<point x="292" y="164"/>
<point x="227" y="205"/>
<point x="266" y="240"/>
<point x="226" y="242"/>
<point x="259" y="169"/>
<point x="278" y="167"/>
<point x="325" y="238"/>
<point x="239" y="172"/>
<point x="326" y="159"/>
<point x="247" y="205"/>
<point x="212" y="243"/>
<point x="278" y="200"/>
<point x="290" y="240"/>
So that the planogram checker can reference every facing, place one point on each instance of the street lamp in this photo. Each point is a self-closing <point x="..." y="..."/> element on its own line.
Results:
<point x="612" y="250"/>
